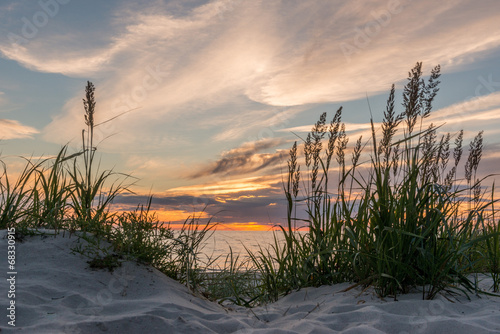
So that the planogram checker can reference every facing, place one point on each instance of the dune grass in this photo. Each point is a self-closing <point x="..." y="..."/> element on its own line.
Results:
<point x="402" y="221"/>
<point x="397" y="217"/>
<point x="71" y="193"/>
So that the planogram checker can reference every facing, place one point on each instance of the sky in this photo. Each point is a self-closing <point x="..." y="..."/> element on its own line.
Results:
<point x="212" y="94"/>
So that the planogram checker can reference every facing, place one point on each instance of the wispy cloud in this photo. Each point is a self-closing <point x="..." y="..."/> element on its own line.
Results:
<point x="203" y="78"/>
<point x="263" y="121"/>
<point x="244" y="159"/>
<point x="229" y="187"/>
<point x="12" y="129"/>
<point x="79" y="63"/>
<point x="348" y="127"/>
<point x="480" y="108"/>
<point x="158" y="200"/>
<point x="169" y="60"/>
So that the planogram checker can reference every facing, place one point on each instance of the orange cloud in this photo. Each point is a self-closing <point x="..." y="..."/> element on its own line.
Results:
<point x="227" y="186"/>
<point x="250" y="226"/>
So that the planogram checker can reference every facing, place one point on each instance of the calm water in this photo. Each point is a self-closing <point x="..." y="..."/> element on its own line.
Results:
<point x="220" y="243"/>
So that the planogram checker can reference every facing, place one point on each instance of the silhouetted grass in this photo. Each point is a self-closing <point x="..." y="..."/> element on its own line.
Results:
<point x="70" y="192"/>
<point x="397" y="225"/>
<point x="397" y="218"/>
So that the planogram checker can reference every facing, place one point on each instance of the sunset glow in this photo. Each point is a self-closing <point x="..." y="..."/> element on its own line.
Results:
<point x="207" y="97"/>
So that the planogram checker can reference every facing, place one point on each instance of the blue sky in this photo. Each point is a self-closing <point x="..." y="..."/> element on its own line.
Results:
<point x="217" y="87"/>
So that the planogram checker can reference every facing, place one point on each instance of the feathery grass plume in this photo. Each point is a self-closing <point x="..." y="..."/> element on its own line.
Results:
<point x="395" y="160"/>
<point x="476" y="189"/>
<point x="88" y="147"/>
<point x="292" y="167"/>
<point x="389" y="127"/>
<point x="428" y="153"/>
<point x="341" y="147"/>
<point x="478" y="152"/>
<point x="357" y="152"/>
<point x="418" y="96"/>
<point x="88" y="150"/>
<point x="333" y="134"/>
<point x="293" y="172"/>
<point x="308" y="150"/>
<point x="296" y="182"/>
<point x="333" y="130"/>
<point x="89" y="104"/>
<point x="475" y="153"/>
<point x="457" y="155"/>
<point x="442" y="157"/>
<point x="448" y="180"/>
<point x="412" y="96"/>
<point x="430" y="90"/>
<point x="354" y="160"/>
<point x="318" y="133"/>
<point x="457" y="152"/>
<point x="292" y="188"/>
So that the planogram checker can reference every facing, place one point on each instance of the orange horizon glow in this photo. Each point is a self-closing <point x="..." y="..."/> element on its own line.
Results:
<point x="176" y="219"/>
<point x="250" y="226"/>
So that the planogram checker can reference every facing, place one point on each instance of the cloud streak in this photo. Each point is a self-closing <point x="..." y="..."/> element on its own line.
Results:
<point x="229" y="186"/>
<point x="244" y="159"/>
<point x="168" y="61"/>
<point x="12" y="129"/>
<point x="227" y="81"/>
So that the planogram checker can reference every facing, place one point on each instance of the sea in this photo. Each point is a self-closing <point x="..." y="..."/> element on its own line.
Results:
<point x="219" y="245"/>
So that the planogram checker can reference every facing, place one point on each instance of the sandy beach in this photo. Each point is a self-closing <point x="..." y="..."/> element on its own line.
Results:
<point x="57" y="292"/>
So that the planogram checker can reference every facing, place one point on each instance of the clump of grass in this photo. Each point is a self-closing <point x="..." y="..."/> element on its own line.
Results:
<point x="187" y="246"/>
<point x="236" y="282"/>
<point x="90" y="193"/>
<point x="15" y="199"/>
<point x="398" y="223"/>
<point x="70" y="192"/>
<point x="50" y="193"/>
<point x="491" y="227"/>
<point x="140" y="235"/>
<point x="110" y="262"/>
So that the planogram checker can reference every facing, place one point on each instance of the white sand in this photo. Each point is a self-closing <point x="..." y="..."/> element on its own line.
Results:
<point x="56" y="292"/>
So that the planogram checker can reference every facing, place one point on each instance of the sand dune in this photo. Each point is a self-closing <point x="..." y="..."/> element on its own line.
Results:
<point x="56" y="292"/>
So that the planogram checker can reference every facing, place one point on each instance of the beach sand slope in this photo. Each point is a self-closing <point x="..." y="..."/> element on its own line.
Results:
<point x="57" y="292"/>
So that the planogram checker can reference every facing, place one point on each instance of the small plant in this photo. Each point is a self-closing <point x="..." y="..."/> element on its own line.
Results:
<point x="187" y="245"/>
<point x="140" y="235"/>
<point x="491" y="227"/>
<point x="110" y="262"/>
<point x="15" y="199"/>
<point x="51" y="193"/>
<point x="236" y="282"/>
